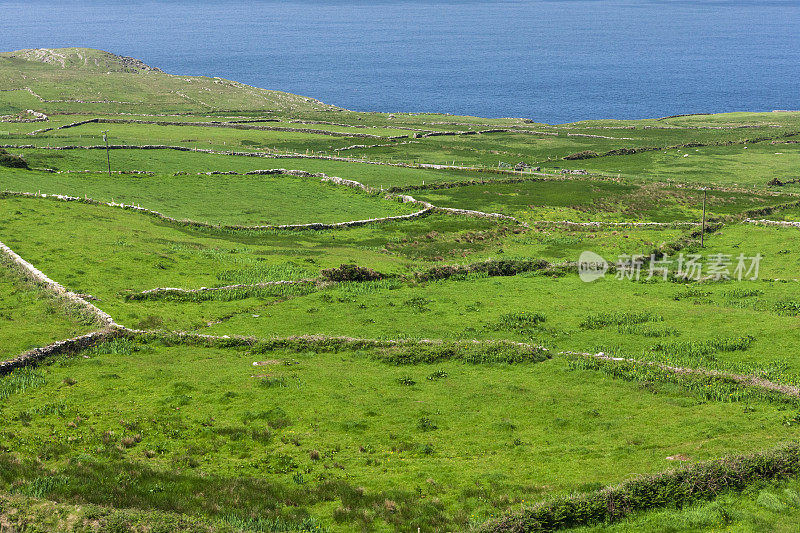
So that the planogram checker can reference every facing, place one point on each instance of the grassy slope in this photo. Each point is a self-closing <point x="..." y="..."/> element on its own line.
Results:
<point x="220" y="199"/>
<point x="211" y="412"/>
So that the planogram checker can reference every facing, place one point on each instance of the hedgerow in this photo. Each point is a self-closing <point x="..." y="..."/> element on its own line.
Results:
<point x="675" y="488"/>
<point x="351" y="272"/>
<point x="493" y="267"/>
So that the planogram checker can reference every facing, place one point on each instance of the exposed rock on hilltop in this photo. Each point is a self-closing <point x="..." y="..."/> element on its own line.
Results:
<point x="131" y="64"/>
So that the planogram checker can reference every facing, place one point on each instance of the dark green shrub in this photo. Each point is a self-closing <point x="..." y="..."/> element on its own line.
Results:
<point x="426" y="424"/>
<point x="351" y="272"/>
<point x="439" y="374"/>
<point x="586" y="154"/>
<point x="494" y="267"/>
<point x="12" y="161"/>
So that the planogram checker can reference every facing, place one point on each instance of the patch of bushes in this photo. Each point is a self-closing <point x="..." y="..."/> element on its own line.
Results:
<point x="493" y="267"/>
<point x="519" y="322"/>
<point x="351" y="272"/>
<point x="585" y="154"/>
<point x="675" y="488"/>
<point x="12" y="161"/>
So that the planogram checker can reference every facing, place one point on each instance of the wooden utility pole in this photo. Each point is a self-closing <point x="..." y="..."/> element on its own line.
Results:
<point x="703" y="229"/>
<point x="108" y="153"/>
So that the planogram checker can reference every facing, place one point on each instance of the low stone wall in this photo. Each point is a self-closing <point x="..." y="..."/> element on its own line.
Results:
<point x="75" y="344"/>
<point x="239" y="125"/>
<point x="266" y="155"/>
<point x="365" y="146"/>
<point x="599" y="136"/>
<point x="479" y="214"/>
<point x="192" y="223"/>
<point x="175" y="291"/>
<point x="600" y="224"/>
<point x="780" y="223"/>
<point x="742" y="379"/>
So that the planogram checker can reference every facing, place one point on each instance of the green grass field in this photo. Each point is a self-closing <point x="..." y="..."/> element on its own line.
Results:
<point x="257" y="200"/>
<point x="31" y="318"/>
<point x="438" y="373"/>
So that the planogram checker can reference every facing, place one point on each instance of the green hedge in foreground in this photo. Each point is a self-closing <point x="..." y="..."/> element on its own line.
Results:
<point x="675" y="488"/>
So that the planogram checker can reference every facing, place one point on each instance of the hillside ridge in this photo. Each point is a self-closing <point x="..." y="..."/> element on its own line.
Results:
<point x="82" y="58"/>
<point x="97" y="81"/>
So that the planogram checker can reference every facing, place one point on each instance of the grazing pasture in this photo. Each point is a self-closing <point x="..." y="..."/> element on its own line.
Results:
<point x="450" y="371"/>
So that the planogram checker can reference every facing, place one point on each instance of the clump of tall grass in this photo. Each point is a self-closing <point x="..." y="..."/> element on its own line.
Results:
<point x="40" y="487"/>
<point x="691" y="292"/>
<point x="273" y="382"/>
<point x="437" y="375"/>
<point x="116" y="346"/>
<point x="787" y="307"/>
<point x="518" y="321"/>
<point x="707" y="387"/>
<point x="275" y="525"/>
<point x="368" y="287"/>
<point x="646" y="331"/>
<point x="602" y="320"/>
<point x="691" y="349"/>
<point x="742" y="293"/>
<point x="284" y="290"/>
<point x="260" y="273"/>
<point x="467" y="353"/>
<point x="418" y="304"/>
<point x="20" y="380"/>
<point x="276" y="418"/>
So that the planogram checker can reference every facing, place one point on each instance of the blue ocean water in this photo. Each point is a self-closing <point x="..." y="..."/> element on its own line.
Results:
<point x="551" y="61"/>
